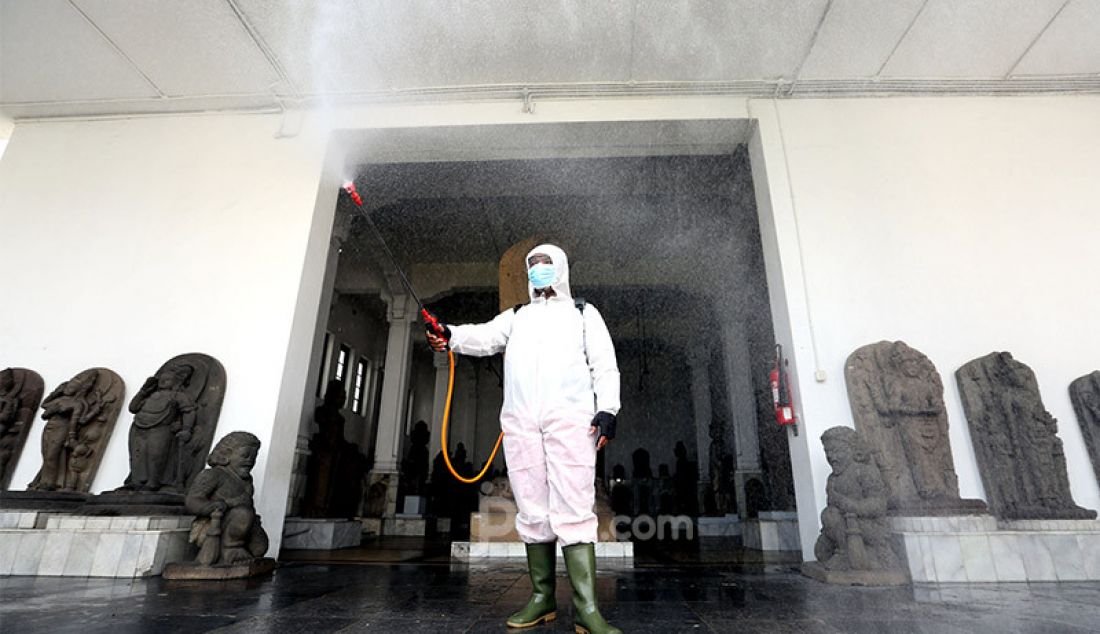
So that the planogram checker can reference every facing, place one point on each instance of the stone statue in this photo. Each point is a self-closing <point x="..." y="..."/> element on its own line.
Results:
<point x="335" y="470"/>
<point x="227" y="529"/>
<point x="175" y="413"/>
<point x="855" y="531"/>
<point x="1020" y="456"/>
<point x="641" y="481"/>
<point x="414" y="470"/>
<point x="686" y="478"/>
<point x="20" y="394"/>
<point x="496" y="496"/>
<point x="897" y="402"/>
<point x="80" y="415"/>
<point x="377" y="496"/>
<point x="1085" y="394"/>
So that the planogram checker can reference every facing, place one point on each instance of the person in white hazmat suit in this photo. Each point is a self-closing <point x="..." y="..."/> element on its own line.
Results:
<point x="561" y="396"/>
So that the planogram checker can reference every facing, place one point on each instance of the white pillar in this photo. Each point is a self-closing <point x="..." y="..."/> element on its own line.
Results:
<point x="699" y="362"/>
<point x="439" y="399"/>
<point x="742" y="402"/>
<point x="395" y="389"/>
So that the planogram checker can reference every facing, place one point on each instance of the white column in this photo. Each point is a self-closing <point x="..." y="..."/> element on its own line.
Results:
<point x="439" y="398"/>
<point x="742" y="409"/>
<point x="699" y="361"/>
<point x="395" y="389"/>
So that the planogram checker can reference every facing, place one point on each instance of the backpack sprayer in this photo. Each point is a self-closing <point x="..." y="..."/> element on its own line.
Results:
<point x="431" y="324"/>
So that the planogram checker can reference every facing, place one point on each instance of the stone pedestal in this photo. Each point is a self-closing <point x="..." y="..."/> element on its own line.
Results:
<point x="55" y="545"/>
<point x="192" y="571"/>
<point x="621" y="551"/>
<point x="975" y="549"/>
<point x="405" y="525"/>
<point x="728" y="525"/>
<point x="414" y="505"/>
<point x="772" y="530"/>
<point x="133" y="503"/>
<point x="58" y="501"/>
<point x="814" y="570"/>
<point x="497" y="526"/>
<point x="321" y="534"/>
<point x="408" y="525"/>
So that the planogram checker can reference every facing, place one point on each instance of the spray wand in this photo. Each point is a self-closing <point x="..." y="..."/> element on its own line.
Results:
<point x="431" y="322"/>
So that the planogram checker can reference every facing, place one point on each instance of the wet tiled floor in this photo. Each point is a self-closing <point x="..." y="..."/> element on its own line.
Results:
<point x="426" y="597"/>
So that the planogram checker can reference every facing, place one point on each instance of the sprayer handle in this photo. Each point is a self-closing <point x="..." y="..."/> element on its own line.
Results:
<point x="431" y="322"/>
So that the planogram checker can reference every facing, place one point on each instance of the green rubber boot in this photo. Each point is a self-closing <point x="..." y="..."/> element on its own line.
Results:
<point x="541" y="607"/>
<point x="580" y="563"/>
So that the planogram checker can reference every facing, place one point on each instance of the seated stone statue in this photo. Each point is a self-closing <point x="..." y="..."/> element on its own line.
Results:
<point x="227" y="529"/>
<point x="854" y="528"/>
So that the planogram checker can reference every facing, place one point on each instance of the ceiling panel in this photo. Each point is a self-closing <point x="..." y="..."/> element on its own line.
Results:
<point x="1071" y="44"/>
<point x="715" y="40"/>
<point x="349" y="45"/>
<point x="196" y="47"/>
<point x="857" y="37"/>
<point x="970" y="38"/>
<point x="49" y="52"/>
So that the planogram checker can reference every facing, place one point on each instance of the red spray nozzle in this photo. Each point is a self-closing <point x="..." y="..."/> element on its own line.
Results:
<point x="349" y="187"/>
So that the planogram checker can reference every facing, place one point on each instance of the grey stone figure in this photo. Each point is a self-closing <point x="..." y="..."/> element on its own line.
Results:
<point x="896" y="398"/>
<point x="855" y="530"/>
<point x="175" y="414"/>
<point x="80" y="415"/>
<point x="227" y="530"/>
<point x="336" y="467"/>
<point x="1085" y="394"/>
<point x="1020" y="456"/>
<point x="20" y="394"/>
<point x="414" y="468"/>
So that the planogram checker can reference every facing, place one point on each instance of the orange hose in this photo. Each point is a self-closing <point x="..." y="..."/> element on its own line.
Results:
<point x="443" y="432"/>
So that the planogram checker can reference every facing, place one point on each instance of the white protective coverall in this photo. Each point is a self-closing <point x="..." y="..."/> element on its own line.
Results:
<point x="559" y="370"/>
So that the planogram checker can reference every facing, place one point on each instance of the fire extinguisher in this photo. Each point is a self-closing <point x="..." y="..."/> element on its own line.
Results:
<point x="781" y="391"/>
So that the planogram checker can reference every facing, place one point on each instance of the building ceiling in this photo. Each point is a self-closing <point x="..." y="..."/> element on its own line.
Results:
<point x="87" y="57"/>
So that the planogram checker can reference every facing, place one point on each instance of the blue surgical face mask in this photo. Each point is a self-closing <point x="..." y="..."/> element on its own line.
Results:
<point x="542" y="275"/>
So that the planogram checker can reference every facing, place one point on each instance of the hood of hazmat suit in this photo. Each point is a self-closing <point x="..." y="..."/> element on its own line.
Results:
<point x="561" y="268"/>
<point x="559" y="370"/>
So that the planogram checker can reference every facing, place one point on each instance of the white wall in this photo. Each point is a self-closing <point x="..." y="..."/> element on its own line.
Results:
<point x="127" y="242"/>
<point x="961" y="226"/>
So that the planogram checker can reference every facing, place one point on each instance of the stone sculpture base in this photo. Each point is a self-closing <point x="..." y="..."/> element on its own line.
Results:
<point x="621" y="551"/>
<point x="321" y="534"/>
<point x="500" y="526"/>
<point x="57" y="501"/>
<point x="728" y="525"/>
<point x="404" y="526"/>
<point x="772" y="531"/>
<point x="941" y="507"/>
<point x="58" y="545"/>
<point x="134" y="503"/>
<point x="497" y="526"/>
<point x="982" y="549"/>
<point x="814" y="570"/>
<point x="192" y="571"/>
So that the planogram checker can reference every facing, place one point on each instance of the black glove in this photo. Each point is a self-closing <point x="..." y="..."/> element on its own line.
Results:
<point x="446" y="334"/>
<point x="605" y="421"/>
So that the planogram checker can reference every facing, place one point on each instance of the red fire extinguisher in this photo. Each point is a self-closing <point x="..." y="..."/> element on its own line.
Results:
<point x="781" y="391"/>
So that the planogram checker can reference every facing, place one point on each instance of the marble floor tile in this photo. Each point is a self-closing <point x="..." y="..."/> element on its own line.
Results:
<point x="408" y="598"/>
